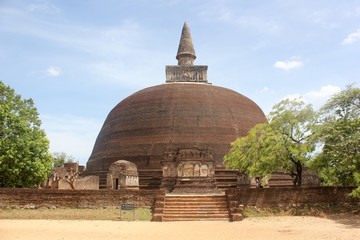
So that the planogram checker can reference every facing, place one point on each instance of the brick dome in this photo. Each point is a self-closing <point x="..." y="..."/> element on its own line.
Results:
<point x="171" y="116"/>
<point x="186" y="117"/>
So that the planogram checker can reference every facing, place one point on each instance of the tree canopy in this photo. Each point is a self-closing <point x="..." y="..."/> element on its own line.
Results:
<point x="59" y="158"/>
<point x="293" y="133"/>
<point x="24" y="149"/>
<point x="282" y="144"/>
<point x="338" y="132"/>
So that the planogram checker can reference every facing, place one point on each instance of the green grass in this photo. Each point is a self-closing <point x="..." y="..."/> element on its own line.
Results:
<point x="141" y="214"/>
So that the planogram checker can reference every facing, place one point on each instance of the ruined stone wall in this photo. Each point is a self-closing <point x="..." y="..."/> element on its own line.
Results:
<point x="265" y="197"/>
<point x="278" y="197"/>
<point x="83" y="183"/>
<point x="34" y="198"/>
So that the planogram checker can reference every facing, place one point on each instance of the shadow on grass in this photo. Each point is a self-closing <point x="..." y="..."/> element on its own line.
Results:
<point x="348" y="215"/>
<point x="350" y="220"/>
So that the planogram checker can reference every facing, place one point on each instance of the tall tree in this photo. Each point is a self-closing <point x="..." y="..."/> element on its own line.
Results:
<point x="59" y="158"/>
<point x="338" y="132"/>
<point x="282" y="144"/>
<point x="24" y="157"/>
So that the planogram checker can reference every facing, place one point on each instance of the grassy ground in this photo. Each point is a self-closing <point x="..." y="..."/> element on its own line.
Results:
<point x="144" y="214"/>
<point x="140" y="214"/>
<point x="316" y="211"/>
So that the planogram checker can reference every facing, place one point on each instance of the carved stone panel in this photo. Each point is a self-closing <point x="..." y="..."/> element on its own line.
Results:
<point x="186" y="74"/>
<point x="180" y="170"/>
<point x="166" y="171"/>
<point x="196" y="170"/>
<point x="204" y="170"/>
<point x="188" y="170"/>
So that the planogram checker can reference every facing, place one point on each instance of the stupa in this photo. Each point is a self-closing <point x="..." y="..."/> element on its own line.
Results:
<point x="177" y="130"/>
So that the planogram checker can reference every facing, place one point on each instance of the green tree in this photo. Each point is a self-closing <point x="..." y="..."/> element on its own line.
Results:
<point x="282" y="144"/>
<point x="24" y="157"/>
<point x="59" y="158"/>
<point x="338" y="132"/>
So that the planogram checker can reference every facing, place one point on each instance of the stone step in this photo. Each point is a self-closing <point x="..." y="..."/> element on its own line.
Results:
<point x="195" y="211"/>
<point x="195" y="196"/>
<point x="280" y="183"/>
<point x="276" y="177"/>
<point x="227" y="185"/>
<point x="198" y="200"/>
<point x="193" y="207"/>
<point x="196" y="215"/>
<point x="187" y="203"/>
<point x="166" y="219"/>
<point x="225" y="179"/>
<point x="195" y="199"/>
<point x="229" y="171"/>
<point x="196" y="208"/>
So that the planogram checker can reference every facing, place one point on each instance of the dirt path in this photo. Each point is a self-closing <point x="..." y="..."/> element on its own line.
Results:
<point x="268" y="228"/>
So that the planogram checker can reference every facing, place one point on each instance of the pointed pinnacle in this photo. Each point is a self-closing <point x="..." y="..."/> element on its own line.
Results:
<point x="186" y="53"/>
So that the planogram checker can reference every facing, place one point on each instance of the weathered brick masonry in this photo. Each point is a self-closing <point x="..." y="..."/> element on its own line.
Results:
<point x="286" y="197"/>
<point x="266" y="197"/>
<point x="74" y="198"/>
<point x="277" y="197"/>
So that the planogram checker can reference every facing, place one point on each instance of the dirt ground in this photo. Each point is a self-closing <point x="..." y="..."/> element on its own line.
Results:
<point x="269" y="228"/>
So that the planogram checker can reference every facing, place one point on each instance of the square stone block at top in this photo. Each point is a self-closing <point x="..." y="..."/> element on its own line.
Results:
<point x="186" y="74"/>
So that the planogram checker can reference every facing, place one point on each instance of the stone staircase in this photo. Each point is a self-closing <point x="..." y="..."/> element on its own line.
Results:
<point x="191" y="207"/>
<point x="227" y="178"/>
<point x="280" y="180"/>
<point x="150" y="179"/>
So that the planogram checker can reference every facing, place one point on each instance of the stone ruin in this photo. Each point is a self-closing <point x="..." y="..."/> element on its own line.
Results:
<point x="188" y="170"/>
<point x="123" y="175"/>
<point x="70" y="176"/>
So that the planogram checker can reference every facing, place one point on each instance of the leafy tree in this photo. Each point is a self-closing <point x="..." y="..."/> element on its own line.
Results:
<point x="24" y="157"/>
<point x="282" y="144"/>
<point x="59" y="158"/>
<point x="339" y="133"/>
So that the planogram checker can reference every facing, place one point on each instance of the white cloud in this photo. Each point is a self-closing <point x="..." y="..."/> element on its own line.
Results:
<point x="352" y="37"/>
<point x="315" y="97"/>
<point x="289" y="64"/>
<point x="266" y="90"/>
<point x="324" y="93"/>
<point x="43" y="7"/>
<point x="53" y="71"/>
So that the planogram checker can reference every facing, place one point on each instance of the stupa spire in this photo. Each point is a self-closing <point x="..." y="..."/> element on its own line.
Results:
<point x="186" y="71"/>
<point x="186" y="53"/>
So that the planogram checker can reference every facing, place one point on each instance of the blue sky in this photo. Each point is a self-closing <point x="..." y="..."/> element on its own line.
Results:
<point x="78" y="59"/>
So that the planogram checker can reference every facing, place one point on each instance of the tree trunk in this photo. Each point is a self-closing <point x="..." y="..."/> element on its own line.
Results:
<point x="71" y="182"/>
<point x="298" y="174"/>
